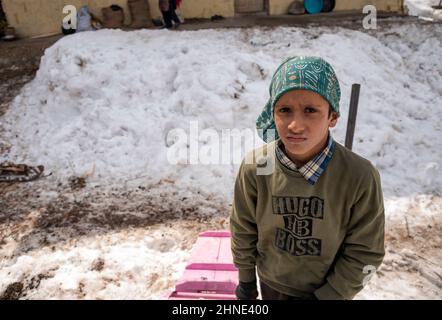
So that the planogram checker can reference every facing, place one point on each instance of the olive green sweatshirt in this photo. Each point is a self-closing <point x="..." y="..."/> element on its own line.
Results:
<point x="325" y="239"/>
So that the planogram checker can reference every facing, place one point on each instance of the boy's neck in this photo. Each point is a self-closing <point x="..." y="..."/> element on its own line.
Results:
<point x="300" y="162"/>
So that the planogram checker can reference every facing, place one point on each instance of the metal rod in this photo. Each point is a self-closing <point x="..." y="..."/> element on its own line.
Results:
<point x="351" y="124"/>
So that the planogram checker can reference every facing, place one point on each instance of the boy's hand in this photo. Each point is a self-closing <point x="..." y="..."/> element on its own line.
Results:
<point x="246" y="291"/>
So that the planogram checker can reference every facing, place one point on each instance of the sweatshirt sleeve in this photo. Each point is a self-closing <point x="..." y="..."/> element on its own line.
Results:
<point x="363" y="247"/>
<point x="243" y="225"/>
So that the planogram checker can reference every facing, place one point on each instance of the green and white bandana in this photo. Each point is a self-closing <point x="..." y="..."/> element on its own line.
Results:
<point x="302" y="72"/>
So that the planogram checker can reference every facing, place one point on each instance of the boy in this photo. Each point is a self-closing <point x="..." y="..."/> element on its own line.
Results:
<point x="314" y="226"/>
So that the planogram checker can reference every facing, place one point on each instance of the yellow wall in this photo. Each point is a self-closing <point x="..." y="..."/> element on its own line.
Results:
<point x="42" y="17"/>
<point x="39" y="17"/>
<point x="207" y="8"/>
<point x="381" y="5"/>
<point x="281" y="6"/>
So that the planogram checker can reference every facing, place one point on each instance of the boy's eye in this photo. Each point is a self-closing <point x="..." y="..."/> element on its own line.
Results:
<point x="310" y="110"/>
<point x="284" y="109"/>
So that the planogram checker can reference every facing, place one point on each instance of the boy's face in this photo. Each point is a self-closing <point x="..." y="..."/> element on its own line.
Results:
<point x="302" y="122"/>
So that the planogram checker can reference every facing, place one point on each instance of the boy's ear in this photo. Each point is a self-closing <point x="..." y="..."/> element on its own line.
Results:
<point x="333" y="120"/>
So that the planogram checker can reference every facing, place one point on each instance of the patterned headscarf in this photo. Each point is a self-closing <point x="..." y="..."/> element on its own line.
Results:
<point x="302" y="72"/>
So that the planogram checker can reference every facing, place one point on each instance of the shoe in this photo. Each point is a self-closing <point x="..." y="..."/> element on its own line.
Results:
<point x="9" y="34"/>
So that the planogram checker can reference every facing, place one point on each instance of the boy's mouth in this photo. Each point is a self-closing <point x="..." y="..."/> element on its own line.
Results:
<point x="296" y="139"/>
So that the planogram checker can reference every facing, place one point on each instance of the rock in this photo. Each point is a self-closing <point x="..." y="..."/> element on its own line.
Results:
<point x="297" y="7"/>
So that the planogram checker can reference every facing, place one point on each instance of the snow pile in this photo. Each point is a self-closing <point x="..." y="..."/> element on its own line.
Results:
<point x="424" y="9"/>
<point x="103" y="103"/>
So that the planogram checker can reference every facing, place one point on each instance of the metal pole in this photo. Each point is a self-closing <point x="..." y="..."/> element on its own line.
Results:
<point x="354" y="100"/>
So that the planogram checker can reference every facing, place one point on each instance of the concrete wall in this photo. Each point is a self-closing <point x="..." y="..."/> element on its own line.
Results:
<point x="381" y="5"/>
<point x="207" y="8"/>
<point x="43" y="17"/>
<point x="277" y="7"/>
<point x="39" y="17"/>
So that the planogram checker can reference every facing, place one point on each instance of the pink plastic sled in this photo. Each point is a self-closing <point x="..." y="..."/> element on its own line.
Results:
<point x="210" y="273"/>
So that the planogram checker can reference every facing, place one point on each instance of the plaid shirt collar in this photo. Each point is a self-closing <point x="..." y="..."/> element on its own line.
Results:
<point x="313" y="169"/>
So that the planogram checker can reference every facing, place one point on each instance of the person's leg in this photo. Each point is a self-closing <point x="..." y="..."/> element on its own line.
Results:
<point x="167" y="18"/>
<point x="175" y="17"/>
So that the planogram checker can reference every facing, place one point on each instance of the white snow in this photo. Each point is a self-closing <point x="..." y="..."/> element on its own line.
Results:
<point x="111" y="116"/>
<point x="424" y="9"/>
<point x="103" y="103"/>
<point x="136" y="264"/>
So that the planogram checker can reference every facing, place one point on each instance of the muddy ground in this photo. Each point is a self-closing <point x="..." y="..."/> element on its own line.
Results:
<point x="49" y="215"/>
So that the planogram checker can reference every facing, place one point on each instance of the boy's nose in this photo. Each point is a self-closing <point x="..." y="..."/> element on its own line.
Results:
<point x="296" y="125"/>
